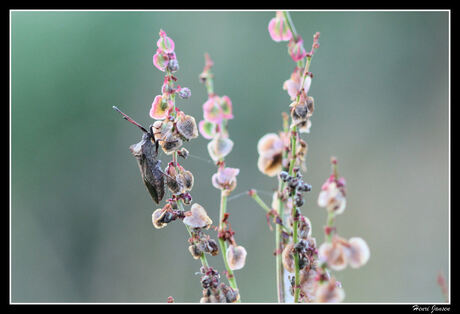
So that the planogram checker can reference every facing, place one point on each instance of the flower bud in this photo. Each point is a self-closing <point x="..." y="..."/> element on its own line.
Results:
<point x="197" y="217"/>
<point x="185" y="93"/>
<point x="173" y="65"/>
<point x="183" y="153"/>
<point x="236" y="257"/>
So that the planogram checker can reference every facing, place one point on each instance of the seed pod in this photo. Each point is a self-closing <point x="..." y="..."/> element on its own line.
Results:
<point x="186" y="126"/>
<point x="171" y="143"/>
<point x="288" y="258"/>
<point x="358" y="252"/>
<point x="310" y="106"/>
<point x="236" y="257"/>
<point x="231" y="296"/>
<point x="299" y="112"/>
<point x="329" y="292"/>
<point x="197" y="217"/>
<point x="334" y="254"/>
<point x="219" y="147"/>
<point x="188" y="180"/>
<point x="304" y="227"/>
<point x="173" y="181"/>
<point x="212" y="247"/>
<point x="195" y="251"/>
<point x="157" y="217"/>
<point x="308" y="284"/>
<point x="304" y="126"/>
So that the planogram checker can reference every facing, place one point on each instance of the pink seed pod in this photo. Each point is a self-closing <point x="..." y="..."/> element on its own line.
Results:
<point x="329" y="292"/>
<point x="334" y="254"/>
<point x="160" y="108"/>
<point x="160" y="60"/>
<point x="227" y="108"/>
<point x="165" y="43"/>
<point x="278" y="28"/>
<point x="212" y="110"/>
<point x="207" y="129"/>
<point x="197" y="217"/>
<point x="296" y="49"/>
<point x="219" y="147"/>
<point x="236" y="257"/>
<point x="332" y="198"/>
<point x="358" y="252"/>
<point x="225" y="178"/>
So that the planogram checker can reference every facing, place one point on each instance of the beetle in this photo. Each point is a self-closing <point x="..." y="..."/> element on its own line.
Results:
<point x="146" y="153"/>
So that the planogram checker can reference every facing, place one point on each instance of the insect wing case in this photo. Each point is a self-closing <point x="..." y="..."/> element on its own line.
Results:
<point x="149" y="165"/>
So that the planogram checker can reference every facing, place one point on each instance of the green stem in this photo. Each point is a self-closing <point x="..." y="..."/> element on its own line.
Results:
<point x="294" y="215"/>
<point x="223" y="244"/>
<point x="290" y="24"/>
<point x="265" y="207"/>
<point x="278" y="239"/>
<point x="330" y="224"/>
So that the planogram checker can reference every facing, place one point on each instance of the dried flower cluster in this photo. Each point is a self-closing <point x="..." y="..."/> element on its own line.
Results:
<point x="217" y="111"/>
<point x="283" y="155"/>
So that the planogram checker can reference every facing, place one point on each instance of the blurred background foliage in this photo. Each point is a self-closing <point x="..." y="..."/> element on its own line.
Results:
<point x="81" y="217"/>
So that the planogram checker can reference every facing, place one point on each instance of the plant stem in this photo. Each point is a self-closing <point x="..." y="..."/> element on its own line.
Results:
<point x="223" y="244"/>
<point x="288" y="19"/>
<point x="294" y="215"/>
<point x="265" y="207"/>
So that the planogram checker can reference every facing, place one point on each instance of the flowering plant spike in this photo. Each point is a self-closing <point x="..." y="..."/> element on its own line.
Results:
<point x="302" y="269"/>
<point x="172" y="129"/>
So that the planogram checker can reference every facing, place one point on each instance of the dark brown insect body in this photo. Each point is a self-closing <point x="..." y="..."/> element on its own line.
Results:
<point x="146" y="153"/>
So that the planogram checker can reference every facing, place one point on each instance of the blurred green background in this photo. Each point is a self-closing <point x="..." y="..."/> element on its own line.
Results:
<point x="81" y="217"/>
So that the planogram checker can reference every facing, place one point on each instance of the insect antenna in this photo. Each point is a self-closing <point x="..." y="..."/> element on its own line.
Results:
<point x="128" y="118"/>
